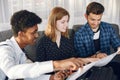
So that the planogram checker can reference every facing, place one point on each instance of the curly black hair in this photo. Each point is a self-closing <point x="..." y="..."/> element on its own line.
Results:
<point x="22" y="20"/>
<point x="95" y="8"/>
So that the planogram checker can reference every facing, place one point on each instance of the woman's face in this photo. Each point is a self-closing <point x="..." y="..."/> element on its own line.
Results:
<point x="62" y="24"/>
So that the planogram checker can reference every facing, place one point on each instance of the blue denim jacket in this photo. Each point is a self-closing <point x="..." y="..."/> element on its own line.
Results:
<point x="83" y="40"/>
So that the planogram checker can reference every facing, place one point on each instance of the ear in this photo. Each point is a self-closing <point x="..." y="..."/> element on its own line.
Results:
<point x="86" y="16"/>
<point x="20" y="33"/>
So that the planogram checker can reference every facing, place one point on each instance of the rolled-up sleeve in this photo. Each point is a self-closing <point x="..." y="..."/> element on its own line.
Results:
<point x="42" y="77"/>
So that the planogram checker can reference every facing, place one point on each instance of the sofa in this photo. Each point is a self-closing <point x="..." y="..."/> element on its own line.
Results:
<point x="30" y="49"/>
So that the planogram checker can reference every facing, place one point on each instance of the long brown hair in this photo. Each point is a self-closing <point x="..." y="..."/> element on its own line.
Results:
<point x="56" y="14"/>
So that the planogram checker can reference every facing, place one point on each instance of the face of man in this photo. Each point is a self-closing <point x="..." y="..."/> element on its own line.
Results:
<point x="30" y="35"/>
<point x="94" y="20"/>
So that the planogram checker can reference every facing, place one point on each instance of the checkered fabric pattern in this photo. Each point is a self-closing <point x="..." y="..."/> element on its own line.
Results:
<point x="83" y="40"/>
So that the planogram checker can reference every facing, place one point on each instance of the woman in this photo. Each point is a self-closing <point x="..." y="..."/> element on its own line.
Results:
<point x="56" y="43"/>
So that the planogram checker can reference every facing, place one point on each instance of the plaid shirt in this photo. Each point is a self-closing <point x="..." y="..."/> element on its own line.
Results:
<point x="84" y="44"/>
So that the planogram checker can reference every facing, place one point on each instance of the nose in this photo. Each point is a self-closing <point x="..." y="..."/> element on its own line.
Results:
<point x="96" y="22"/>
<point x="66" y="25"/>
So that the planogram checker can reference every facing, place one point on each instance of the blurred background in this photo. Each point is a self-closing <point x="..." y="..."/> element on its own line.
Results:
<point x="42" y="8"/>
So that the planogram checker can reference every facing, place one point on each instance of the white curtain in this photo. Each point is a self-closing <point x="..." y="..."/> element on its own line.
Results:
<point x="42" y="8"/>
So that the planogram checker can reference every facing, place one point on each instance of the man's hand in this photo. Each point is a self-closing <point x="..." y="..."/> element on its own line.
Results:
<point x="71" y="64"/>
<point x="118" y="51"/>
<point x="89" y="60"/>
<point x="60" y="75"/>
<point x="101" y="55"/>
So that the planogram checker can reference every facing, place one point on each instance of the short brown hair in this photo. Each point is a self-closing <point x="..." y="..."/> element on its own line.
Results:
<point x="95" y="8"/>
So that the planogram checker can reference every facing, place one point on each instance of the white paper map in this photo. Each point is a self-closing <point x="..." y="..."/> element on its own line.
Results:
<point x="105" y="61"/>
<point x="80" y="71"/>
<point x="99" y="63"/>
